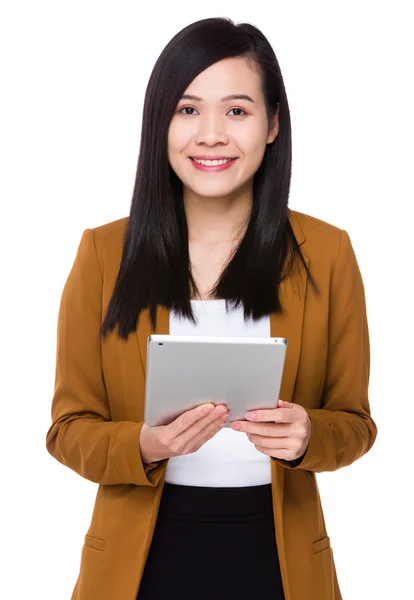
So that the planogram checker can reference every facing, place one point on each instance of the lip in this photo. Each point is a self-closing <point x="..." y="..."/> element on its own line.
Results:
<point x="215" y="168"/>
<point x="212" y="157"/>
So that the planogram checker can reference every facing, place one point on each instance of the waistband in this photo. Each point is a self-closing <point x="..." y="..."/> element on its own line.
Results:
<point x="183" y="501"/>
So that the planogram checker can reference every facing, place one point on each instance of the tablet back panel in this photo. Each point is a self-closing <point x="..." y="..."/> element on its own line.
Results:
<point x="244" y="373"/>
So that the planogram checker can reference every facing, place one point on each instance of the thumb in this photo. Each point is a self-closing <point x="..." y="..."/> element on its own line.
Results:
<point x="283" y="404"/>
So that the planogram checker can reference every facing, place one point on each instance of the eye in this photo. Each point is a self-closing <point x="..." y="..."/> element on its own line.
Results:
<point x="239" y="109"/>
<point x="186" y="108"/>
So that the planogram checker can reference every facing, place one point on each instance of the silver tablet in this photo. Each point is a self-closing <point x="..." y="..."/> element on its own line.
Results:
<point x="184" y="371"/>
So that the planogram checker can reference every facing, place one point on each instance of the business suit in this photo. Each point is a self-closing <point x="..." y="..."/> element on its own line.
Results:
<point x="98" y="408"/>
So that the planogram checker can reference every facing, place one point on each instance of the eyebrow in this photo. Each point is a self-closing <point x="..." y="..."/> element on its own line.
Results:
<point x="225" y="99"/>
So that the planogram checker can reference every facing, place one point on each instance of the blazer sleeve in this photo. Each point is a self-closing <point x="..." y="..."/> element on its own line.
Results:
<point x="82" y="435"/>
<point x="342" y="428"/>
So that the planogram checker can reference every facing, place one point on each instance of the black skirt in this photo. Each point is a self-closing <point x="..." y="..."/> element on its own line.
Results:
<point x="213" y="544"/>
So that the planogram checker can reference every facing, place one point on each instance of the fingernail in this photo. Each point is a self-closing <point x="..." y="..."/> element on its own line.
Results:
<point x="208" y="408"/>
<point x="221" y="410"/>
<point x="236" y="425"/>
<point x="251" y="416"/>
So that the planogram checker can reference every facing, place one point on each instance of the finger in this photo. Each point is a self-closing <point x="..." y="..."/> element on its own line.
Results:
<point x="275" y="415"/>
<point x="204" y="427"/>
<point x="266" y="429"/>
<point x="188" y="443"/>
<point x="188" y="418"/>
<point x="209" y="432"/>
<point x="269" y="442"/>
<point x="284" y="404"/>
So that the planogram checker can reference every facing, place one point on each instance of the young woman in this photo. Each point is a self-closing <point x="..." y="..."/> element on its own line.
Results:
<point x="192" y="509"/>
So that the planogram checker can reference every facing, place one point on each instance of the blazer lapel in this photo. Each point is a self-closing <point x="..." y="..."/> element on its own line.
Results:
<point x="289" y="325"/>
<point x="144" y="330"/>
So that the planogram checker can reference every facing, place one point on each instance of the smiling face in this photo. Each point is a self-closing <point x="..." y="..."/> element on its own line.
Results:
<point x="222" y="115"/>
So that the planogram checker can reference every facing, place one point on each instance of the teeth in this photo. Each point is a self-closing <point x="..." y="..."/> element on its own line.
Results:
<point x="212" y="163"/>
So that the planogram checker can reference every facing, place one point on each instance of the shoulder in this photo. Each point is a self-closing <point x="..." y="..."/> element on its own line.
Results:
<point x="106" y="241"/>
<point x="313" y="228"/>
<point x="328" y="248"/>
<point x="109" y="237"/>
<point x="315" y="235"/>
<point x="110" y="232"/>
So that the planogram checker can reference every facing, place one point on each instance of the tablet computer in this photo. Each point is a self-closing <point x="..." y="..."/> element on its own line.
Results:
<point x="245" y="373"/>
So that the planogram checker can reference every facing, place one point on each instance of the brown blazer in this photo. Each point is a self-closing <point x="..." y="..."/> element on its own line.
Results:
<point x="98" y="408"/>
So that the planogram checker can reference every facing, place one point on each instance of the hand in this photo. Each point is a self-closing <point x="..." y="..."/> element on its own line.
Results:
<point x="184" y="435"/>
<point x="283" y="432"/>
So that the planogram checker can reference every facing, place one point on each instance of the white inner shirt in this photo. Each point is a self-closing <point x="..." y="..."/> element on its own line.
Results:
<point x="228" y="459"/>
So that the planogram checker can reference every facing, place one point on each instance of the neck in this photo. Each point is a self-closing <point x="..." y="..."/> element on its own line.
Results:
<point x="214" y="219"/>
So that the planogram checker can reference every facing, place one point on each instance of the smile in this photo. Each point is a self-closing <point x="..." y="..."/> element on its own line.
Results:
<point x="212" y="165"/>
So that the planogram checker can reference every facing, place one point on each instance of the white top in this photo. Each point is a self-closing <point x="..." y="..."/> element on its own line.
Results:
<point x="228" y="459"/>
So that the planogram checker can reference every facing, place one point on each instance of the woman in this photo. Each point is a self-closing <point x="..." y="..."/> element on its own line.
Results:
<point x="192" y="509"/>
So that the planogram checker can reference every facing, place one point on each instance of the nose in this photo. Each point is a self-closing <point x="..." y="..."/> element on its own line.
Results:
<point x="211" y="131"/>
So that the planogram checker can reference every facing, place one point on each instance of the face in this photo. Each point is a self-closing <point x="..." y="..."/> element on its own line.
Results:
<point x="209" y="125"/>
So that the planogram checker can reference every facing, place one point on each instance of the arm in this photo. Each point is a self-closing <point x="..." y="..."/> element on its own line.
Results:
<point x="82" y="435"/>
<point x="342" y="429"/>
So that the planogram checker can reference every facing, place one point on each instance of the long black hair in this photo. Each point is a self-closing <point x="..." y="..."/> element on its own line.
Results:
<point x="155" y="267"/>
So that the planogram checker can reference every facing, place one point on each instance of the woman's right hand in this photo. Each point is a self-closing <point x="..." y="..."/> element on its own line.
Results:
<point x="184" y="435"/>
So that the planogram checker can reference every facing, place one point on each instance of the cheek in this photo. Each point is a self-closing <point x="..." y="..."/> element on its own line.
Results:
<point x="254" y="152"/>
<point x="179" y="137"/>
<point x="252" y="143"/>
<point x="174" y="148"/>
<point x="173" y="140"/>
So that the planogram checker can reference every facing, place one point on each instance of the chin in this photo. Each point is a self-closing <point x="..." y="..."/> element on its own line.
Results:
<point x="214" y="189"/>
<point x="213" y="192"/>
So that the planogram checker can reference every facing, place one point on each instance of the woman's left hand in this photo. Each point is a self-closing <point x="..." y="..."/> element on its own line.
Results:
<point x="283" y="432"/>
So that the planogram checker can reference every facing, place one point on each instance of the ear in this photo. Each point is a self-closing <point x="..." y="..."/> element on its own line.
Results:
<point x="274" y="129"/>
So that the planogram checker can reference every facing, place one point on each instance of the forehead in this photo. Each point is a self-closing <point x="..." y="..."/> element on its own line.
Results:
<point x="228" y="76"/>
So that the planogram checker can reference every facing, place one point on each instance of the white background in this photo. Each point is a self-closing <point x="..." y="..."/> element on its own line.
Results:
<point x="73" y="78"/>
